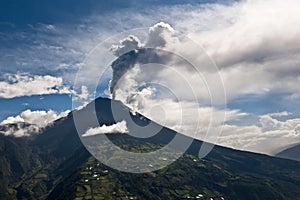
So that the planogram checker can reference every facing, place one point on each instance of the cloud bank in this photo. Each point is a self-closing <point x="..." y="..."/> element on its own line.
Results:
<point x="25" y="85"/>
<point x="29" y="122"/>
<point x="254" y="43"/>
<point x="270" y="136"/>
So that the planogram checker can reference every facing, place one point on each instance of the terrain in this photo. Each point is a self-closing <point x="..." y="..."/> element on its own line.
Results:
<point x="55" y="165"/>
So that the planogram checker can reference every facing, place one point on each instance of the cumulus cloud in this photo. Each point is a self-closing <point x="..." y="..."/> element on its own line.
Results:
<point x="268" y="122"/>
<point x="39" y="118"/>
<point x="160" y="34"/>
<point x="119" y="127"/>
<point x="30" y="122"/>
<point x="25" y="85"/>
<point x="269" y="136"/>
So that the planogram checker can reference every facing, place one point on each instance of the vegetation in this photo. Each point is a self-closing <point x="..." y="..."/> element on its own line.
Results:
<point x="55" y="165"/>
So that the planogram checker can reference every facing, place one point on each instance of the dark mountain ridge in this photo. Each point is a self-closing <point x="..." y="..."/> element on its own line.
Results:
<point x="52" y="165"/>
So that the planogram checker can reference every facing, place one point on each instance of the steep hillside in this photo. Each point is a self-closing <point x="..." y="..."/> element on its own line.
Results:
<point x="55" y="165"/>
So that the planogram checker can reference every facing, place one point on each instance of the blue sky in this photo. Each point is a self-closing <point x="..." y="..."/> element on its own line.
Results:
<point x="46" y="43"/>
<point x="29" y="45"/>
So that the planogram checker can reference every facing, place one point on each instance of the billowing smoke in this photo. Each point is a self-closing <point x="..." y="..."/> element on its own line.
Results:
<point x="154" y="81"/>
<point x="131" y="52"/>
<point x="128" y="44"/>
<point x="133" y="59"/>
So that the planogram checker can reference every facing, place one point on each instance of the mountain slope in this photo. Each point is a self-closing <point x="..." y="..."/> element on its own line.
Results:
<point x="55" y="165"/>
<point x="292" y="153"/>
<point x="224" y="173"/>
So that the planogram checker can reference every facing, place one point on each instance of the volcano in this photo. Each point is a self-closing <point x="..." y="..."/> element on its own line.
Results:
<point x="54" y="164"/>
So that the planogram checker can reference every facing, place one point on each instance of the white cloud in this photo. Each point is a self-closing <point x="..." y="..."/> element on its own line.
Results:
<point x="24" y="85"/>
<point x="119" y="127"/>
<point x="270" y="136"/>
<point x="128" y="44"/>
<point x="84" y="104"/>
<point x="268" y="122"/>
<point x="255" y="44"/>
<point x="238" y="35"/>
<point x="34" y="121"/>
<point x="280" y="114"/>
<point x="19" y="129"/>
<point x="43" y="27"/>
<point x="161" y="103"/>
<point x="39" y="118"/>
<point x="159" y="35"/>
<point x="84" y="93"/>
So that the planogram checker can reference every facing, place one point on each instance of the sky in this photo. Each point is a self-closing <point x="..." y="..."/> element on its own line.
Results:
<point x="253" y="75"/>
